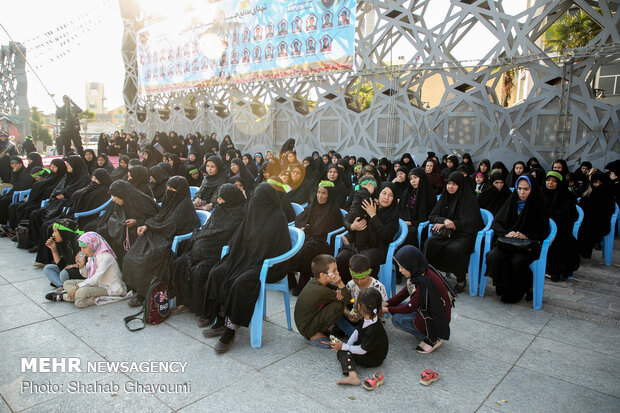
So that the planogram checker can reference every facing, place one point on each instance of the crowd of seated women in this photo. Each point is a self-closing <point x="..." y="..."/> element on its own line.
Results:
<point x="249" y="199"/>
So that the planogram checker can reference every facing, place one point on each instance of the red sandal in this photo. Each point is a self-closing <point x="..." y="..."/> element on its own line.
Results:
<point x="372" y="384"/>
<point x="428" y="376"/>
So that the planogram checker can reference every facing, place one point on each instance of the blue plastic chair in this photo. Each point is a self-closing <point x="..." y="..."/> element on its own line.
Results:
<point x="260" y="309"/>
<point x="44" y="203"/>
<point x="97" y="210"/>
<point x="537" y="266"/>
<point x="387" y="272"/>
<point x="19" y="196"/>
<point x="333" y="234"/>
<point x="193" y="190"/>
<point x="297" y="208"/>
<point x="5" y="191"/>
<point x="203" y="216"/>
<point x="577" y="223"/>
<point x="608" y="240"/>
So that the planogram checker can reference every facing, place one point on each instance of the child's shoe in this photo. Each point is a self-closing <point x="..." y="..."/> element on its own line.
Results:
<point x="428" y="376"/>
<point x="377" y="380"/>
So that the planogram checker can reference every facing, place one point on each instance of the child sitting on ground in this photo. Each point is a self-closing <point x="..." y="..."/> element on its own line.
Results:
<point x="319" y="306"/>
<point x="360" y="269"/>
<point x="368" y="345"/>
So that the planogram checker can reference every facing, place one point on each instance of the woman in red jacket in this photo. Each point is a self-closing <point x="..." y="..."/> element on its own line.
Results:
<point x="427" y="314"/>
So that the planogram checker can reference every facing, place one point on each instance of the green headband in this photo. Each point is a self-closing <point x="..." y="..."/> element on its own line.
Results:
<point x="63" y="228"/>
<point x="326" y="184"/>
<point x="362" y="274"/>
<point x="193" y="171"/>
<point x="357" y="167"/>
<point x="41" y="172"/>
<point x="555" y="174"/>
<point x="368" y="181"/>
<point x="276" y="183"/>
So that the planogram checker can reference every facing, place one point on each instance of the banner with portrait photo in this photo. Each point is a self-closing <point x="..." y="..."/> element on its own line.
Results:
<point x="244" y="41"/>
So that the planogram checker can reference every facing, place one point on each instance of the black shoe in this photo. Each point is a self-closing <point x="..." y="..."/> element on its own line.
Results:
<point x="136" y="301"/>
<point x="225" y="342"/>
<point x="54" y="296"/>
<point x="204" y="322"/>
<point x="528" y="296"/>
<point x="296" y="291"/>
<point x="34" y="249"/>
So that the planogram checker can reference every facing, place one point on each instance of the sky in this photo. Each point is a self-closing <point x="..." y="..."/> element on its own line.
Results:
<point x="97" y="57"/>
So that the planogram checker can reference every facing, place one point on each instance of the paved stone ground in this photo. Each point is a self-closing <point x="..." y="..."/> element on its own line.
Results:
<point x="533" y="360"/>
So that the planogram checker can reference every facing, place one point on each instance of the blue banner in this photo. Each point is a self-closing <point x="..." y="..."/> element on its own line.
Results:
<point x="246" y="40"/>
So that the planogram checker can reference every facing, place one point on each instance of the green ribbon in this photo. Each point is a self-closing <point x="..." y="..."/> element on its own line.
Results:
<point x="82" y="244"/>
<point x="362" y="274"/>
<point x="61" y="227"/>
<point x="368" y="181"/>
<point x="357" y="168"/>
<point x="41" y="172"/>
<point x="326" y="184"/>
<point x="276" y="183"/>
<point x="555" y="174"/>
<point x="193" y="171"/>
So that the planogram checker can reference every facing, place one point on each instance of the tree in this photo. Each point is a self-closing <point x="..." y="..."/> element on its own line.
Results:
<point x="39" y="132"/>
<point x="571" y="31"/>
<point x="86" y="116"/>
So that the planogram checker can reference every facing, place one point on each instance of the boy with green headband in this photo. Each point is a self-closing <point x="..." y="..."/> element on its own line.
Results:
<point x="360" y="269"/>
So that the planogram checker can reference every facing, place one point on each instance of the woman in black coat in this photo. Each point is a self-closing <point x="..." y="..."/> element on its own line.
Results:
<point x="455" y="221"/>
<point x="234" y="284"/>
<point x="493" y="197"/>
<point x="151" y="256"/>
<point x="523" y="216"/>
<point x="563" y="255"/>
<point x="598" y="206"/>
<point x="204" y="249"/>
<point x="416" y="204"/>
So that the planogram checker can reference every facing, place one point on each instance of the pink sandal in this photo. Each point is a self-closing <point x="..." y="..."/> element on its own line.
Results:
<point x="428" y="376"/>
<point x="372" y="384"/>
<point x="424" y="348"/>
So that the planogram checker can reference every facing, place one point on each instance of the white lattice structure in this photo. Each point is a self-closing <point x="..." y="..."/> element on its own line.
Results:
<point x="428" y="101"/>
<point x="13" y="87"/>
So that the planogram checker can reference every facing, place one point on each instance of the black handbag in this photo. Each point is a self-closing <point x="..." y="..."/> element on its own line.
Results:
<point x="443" y="232"/>
<point x="514" y="245"/>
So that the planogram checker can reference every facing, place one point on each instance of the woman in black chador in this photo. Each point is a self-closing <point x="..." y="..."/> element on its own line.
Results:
<point x="455" y="222"/>
<point x="598" y="206"/>
<point x="139" y="177"/>
<point x="158" y="177"/>
<point x="523" y="216"/>
<point x="416" y="203"/>
<point x="203" y="251"/>
<point x="563" y="255"/>
<point x="317" y="220"/>
<point x="129" y="209"/>
<point x="234" y="284"/>
<point x="151" y="256"/>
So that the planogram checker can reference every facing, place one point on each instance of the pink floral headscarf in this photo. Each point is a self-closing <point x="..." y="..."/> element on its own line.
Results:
<point x="98" y="245"/>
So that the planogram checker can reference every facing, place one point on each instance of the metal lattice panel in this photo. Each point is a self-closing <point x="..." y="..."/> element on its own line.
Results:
<point x="13" y="85"/>
<point x="429" y="101"/>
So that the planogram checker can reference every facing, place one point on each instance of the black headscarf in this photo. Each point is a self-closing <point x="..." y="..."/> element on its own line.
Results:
<point x="177" y="214"/>
<point x="446" y="172"/>
<point x="140" y="179"/>
<point x="107" y="164"/>
<point x="178" y="169"/>
<point x="416" y="204"/>
<point x="34" y="159"/>
<point x="469" y="164"/>
<point x="158" y="187"/>
<point x="166" y="167"/>
<point x="400" y="187"/>
<point x="92" y="164"/>
<point x="21" y="178"/>
<point x="460" y="207"/>
<point x="320" y="219"/>
<point x="512" y="177"/>
<point x="532" y="221"/>
<point x="94" y="195"/>
<point x="431" y="305"/>
<point x="251" y="164"/>
<point x="78" y="178"/>
<point x="246" y="176"/>
<point x="382" y="228"/>
<point x="491" y="198"/>
<point x="210" y="183"/>
<point x="500" y="165"/>
<point x="121" y="172"/>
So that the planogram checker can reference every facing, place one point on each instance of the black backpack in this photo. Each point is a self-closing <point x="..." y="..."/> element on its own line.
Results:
<point x="155" y="309"/>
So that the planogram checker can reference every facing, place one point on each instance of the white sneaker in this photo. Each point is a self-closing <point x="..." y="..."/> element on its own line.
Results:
<point x="38" y="265"/>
